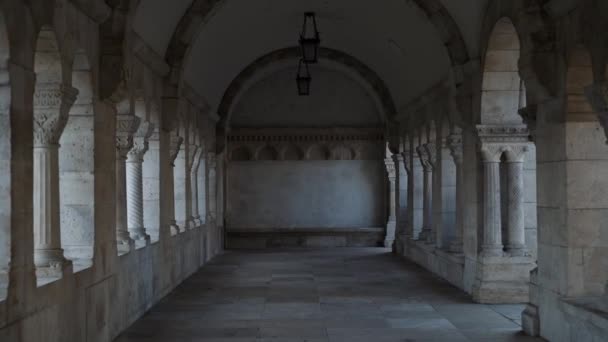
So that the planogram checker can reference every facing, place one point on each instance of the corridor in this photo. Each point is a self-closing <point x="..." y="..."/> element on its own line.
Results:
<point x="314" y="295"/>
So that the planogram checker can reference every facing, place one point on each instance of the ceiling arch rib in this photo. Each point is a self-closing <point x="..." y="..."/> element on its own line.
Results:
<point x="329" y="58"/>
<point x="437" y="38"/>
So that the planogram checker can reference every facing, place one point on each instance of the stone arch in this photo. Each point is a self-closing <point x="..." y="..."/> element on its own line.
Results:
<point x="535" y="32"/>
<point x="501" y="87"/>
<point x="337" y="60"/>
<point x="5" y="160"/>
<point x="292" y="152"/>
<point x="77" y="168"/>
<point x="197" y="15"/>
<point x="267" y="153"/>
<point x="241" y="153"/>
<point x="342" y="152"/>
<point x="317" y="152"/>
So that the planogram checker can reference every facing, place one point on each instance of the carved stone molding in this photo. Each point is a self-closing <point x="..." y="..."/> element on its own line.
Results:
<point x="140" y="141"/>
<point x="52" y="103"/>
<point x="175" y="144"/>
<point x="503" y="133"/>
<point x="454" y="142"/>
<point x="424" y="158"/>
<point x="597" y="94"/>
<point x="389" y="163"/>
<point x="126" y="126"/>
<point x="305" y="144"/>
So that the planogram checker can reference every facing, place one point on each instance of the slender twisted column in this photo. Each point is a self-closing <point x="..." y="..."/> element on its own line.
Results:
<point x="392" y="218"/>
<point x="516" y="244"/>
<point x="52" y="102"/>
<point x="126" y="126"/>
<point x="455" y="144"/>
<point x="426" y="233"/>
<point x="492" y="228"/>
<point x="135" y="193"/>
<point x="174" y="148"/>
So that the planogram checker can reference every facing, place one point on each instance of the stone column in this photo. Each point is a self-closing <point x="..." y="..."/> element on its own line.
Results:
<point x="516" y="243"/>
<point x="191" y="191"/>
<point x="194" y="184"/>
<point x="401" y="187"/>
<point x="175" y="144"/>
<point x="492" y="226"/>
<point x="392" y="217"/>
<point x="426" y="233"/>
<point x="135" y="194"/>
<point x="52" y="103"/>
<point x="126" y="126"/>
<point x="456" y="149"/>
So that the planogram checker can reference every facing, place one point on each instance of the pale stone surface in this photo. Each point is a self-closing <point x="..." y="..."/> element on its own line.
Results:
<point x="321" y="295"/>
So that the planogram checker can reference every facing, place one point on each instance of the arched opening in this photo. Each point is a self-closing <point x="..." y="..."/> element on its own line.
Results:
<point x="5" y="161"/>
<point x="240" y="154"/>
<point x="501" y="85"/>
<point x="53" y="99"/>
<point x="267" y="153"/>
<point x="508" y="201"/>
<point x="77" y="169"/>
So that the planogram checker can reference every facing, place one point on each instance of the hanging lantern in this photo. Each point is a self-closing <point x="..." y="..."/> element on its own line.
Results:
<point x="309" y="39"/>
<point x="303" y="79"/>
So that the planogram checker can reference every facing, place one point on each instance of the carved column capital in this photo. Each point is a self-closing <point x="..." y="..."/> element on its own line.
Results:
<point x="126" y="126"/>
<point x="52" y="103"/>
<point x="140" y="141"/>
<point x="424" y="158"/>
<point x="597" y="94"/>
<point x="406" y="161"/>
<point x="454" y="142"/>
<point x="175" y="144"/>
<point x="390" y="169"/>
<point x="498" y="139"/>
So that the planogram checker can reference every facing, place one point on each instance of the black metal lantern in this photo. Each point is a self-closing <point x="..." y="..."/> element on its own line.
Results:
<point x="309" y="39"/>
<point x="303" y="79"/>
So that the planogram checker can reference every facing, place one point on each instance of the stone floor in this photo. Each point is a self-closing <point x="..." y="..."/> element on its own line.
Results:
<point x="350" y="294"/>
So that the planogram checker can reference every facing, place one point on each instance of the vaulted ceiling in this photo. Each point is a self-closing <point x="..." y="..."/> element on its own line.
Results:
<point x="394" y="38"/>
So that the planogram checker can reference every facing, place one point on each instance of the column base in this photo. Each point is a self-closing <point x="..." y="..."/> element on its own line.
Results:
<point x="53" y="270"/>
<point x="502" y="280"/>
<point x="125" y="246"/>
<point x="517" y="250"/>
<point x="424" y="234"/>
<point x="140" y="238"/>
<point x="456" y="248"/>
<point x="530" y="320"/>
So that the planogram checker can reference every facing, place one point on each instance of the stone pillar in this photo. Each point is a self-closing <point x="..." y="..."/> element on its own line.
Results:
<point x="456" y="149"/>
<point x="194" y="184"/>
<point x="401" y="234"/>
<point x="392" y="217"/>
<point x="426" y="234"/>
<point x="516" y="237"/>
<point x="135" y="194"/>
<point x="152" y="186"/>
<point x="126" y="126"/>
<point x="52" y="103"/>
<point x="191" y="178"/>
<point x="175" y="144"/>
<point x="492" y="225"/>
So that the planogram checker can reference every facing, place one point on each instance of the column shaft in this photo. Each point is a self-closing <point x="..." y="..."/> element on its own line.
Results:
<point x="492" y="239"/>
<point x="47" y="230"/>
<point x="516" y="226"/>
<point x="122" y="231"/>
<point x="135" y="198"/>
